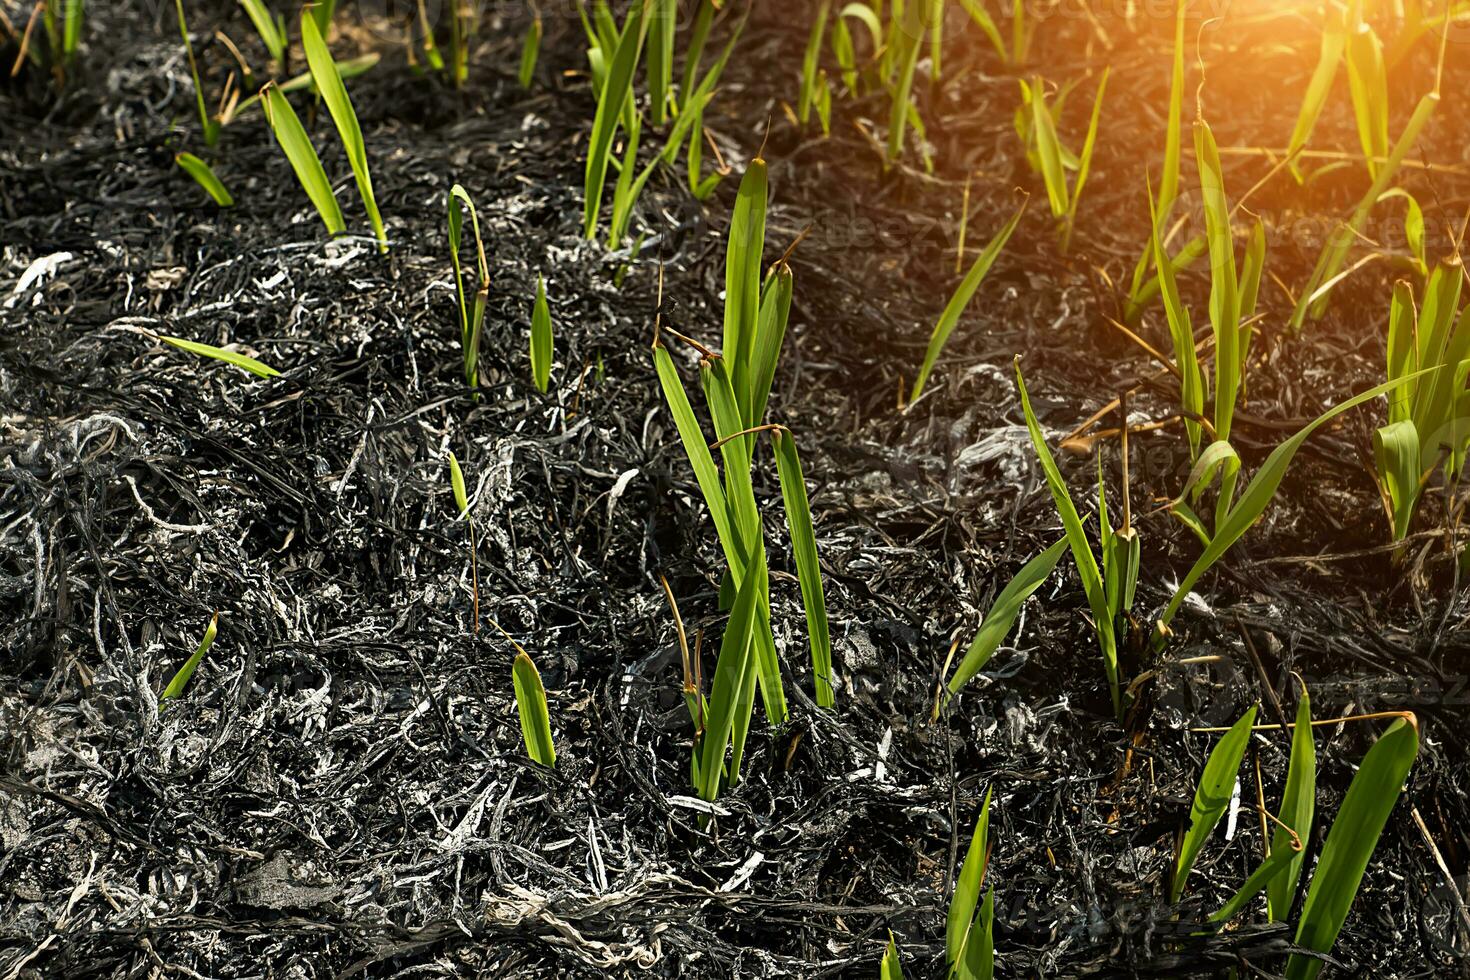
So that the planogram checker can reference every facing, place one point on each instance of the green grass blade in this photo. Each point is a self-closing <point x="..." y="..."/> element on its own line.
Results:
<point x="694" y="51"/>
<point x="615" y="95"/>
<point x="1169" y="180"/>
<point x="1224" y="281"/>
<point x="210" y="127"/>
<point x="807" y="97"/>
<point x="1181" y="334"/>
<point x="1084" y="160"/>
<point x="541" y="338"/>
<point x="891" y="967"/>
<point x="1002" y="615"/>
<point x="808" y="569"/>
<point x="1368" y="87"/>
<point x="180" y="680"/>
<point x="304" y="161"/>
<point x="950" y="318"/>
<point x="471" y="315"/>
<point x="1048" y="148"/>
<point x="911" y="41"/>
<point x="267" y="27"/>
<point x="696" y="448"/>
<point x="1267" y="873"/>
<point x="1211" y="797"/>
<point x="961" y="915"/>
<point x="661" y="58"/>
<point x="1396" y="453"/>
<point x="535" y="718"/>
<point x="986" y="23"/>
<point x="220" y="354"/>
<point x="1334" y="37"/>
<point x="743" y="253"/>
<point x="1087" y="568"/>
<point x="530" y="51"/>
<point x="775" y="312"/>
<point x="735" y="663"/>
<point x="714" y="379"/>
<point x="205" y="178"/>
<point x="1297" y="806"/>
<point x="979" y="961"/>
<point x="456" y="484"/>
<point x="1257" y="495"/>
<point x="323" y="11"/>
<point x="334" y="94"/>
<point x="71" y="36"/>
<point x="1340" y="242"/>
<point x="1351" y="842"/>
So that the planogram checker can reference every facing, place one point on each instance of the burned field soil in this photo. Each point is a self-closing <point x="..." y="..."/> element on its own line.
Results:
<point x="342" y="787"/>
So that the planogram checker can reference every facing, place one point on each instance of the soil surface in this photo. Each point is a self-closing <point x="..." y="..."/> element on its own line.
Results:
<point x="342" y="791"/>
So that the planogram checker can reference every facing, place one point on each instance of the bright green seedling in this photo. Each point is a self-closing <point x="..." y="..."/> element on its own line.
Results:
<point x="535" y="718"/>
<point x="1328" y="271"/>
<point x="1298" y="806"/>
<point x="1036" y="124"/>
<point x="662" y="21"/>
<point x="728" y="717"/>
<point x="541" y="338"/>
<point x="205" y="178"/>
<point x="958" y="302"/>
<point x="1232" y="307"/>
<point x="969" y="938"/>
<point x="890" y="967"/>
<point x="689" y="124"/>
<point x="1351" y="841"/>
<point x="1103" y="602"/>
<point x="616" y="93"/>
<point x="1257" y="496"/>
<point x="180" y="680"/>
<point x="736" y="388"/>
<point x="208" y="126"/>
<point x="1368" y="84"/>
<point x="1425" y="426"/>
<point x="271" y="28"/>
<point x="1339" y="22"/>
<point x="906" y="35"/>
<point x="329" y="83"/>
<point x="530" y="51"/>
<point x="291" y="135"/>
<point x="1164" y="204"/>
<point x="808" y="570"/>
<point x="462" y="510"/>
<point x="1211" y="797"/>
<point x="63" y="21"/>
<point x="471" y="312"/>
<point x="809" y="63"/>
<point x="1015" y="50"/>
<point x="220" y="354"/>
<point x="996" y="625"/>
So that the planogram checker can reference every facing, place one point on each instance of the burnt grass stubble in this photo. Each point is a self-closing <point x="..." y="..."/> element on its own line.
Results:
<point x="342" y="792"/>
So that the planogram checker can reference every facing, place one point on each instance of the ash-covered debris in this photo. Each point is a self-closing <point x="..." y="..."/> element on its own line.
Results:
<point x="342" y="792"/>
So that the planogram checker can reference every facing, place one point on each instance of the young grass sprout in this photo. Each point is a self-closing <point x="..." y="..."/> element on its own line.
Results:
<point x="471" y="311"/>
<point x="958" y="302"/>
<point x="541" y="338"/>
<point x="180" y="680"/>
<point x="462" y="509"/>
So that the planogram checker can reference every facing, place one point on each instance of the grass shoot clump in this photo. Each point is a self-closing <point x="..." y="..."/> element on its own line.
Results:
<point x="1036" y="123"/>
<point x="471" y="311"/>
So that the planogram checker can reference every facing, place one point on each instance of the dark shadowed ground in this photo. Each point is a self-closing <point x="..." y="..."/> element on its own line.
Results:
<point x="342" y="792"/>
